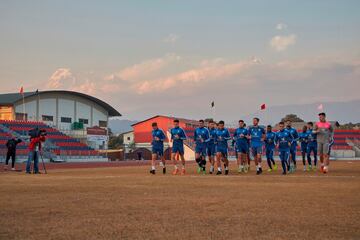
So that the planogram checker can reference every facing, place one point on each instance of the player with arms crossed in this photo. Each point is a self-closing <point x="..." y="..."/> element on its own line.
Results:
<point x="201" y="138"/>
<point x="178" y="136"/>
<point x="211" y="151"/>
<point x="157" y="143"/>
<point x="325" y="133"/>
<point x="283" y="140"/>
<point x="242" y="146"/>
<point x="256" y="135"/>
<point x="222" y="138"/>
<point x="269" y="148"/>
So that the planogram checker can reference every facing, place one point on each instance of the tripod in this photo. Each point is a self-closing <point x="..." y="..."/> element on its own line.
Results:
<point x="43" y="162"/>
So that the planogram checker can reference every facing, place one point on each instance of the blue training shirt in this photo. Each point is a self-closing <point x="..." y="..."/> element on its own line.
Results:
<point x="270" y="140"/>
<point x="284" y="139"/>
<point x="222" y="138"/>
<point x="158" y="133"/>
<point x="240" y="136"/>
<point x="178" y="135"/>
<point x="256" y="133"/>
<point x="201" y="135"/>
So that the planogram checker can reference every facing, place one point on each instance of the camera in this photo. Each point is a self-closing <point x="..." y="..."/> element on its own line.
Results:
<point x="36" y="132"/>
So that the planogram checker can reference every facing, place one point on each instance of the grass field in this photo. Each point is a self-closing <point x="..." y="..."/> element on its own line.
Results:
<point x="128" y="203"/>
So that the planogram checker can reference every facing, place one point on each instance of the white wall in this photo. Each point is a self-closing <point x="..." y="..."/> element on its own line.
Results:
<point x="98" y="116"/>
<point x="30" y="109"/>
<point x="84" y="112"/>
<point x="66" y="109"/>
<point x="48" y="107"/>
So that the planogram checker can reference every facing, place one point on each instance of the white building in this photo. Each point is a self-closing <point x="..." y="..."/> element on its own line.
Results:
<point x="64" y="110"/>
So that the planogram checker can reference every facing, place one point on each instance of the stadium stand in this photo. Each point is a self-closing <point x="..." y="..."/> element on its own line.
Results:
<point x="57" y="144"/>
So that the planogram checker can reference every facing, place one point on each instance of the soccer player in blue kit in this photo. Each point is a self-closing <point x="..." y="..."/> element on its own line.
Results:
<point x="303" y="139"/>
<point x="178" y="136"/>
<point x="242" y="146"/>
<point x="256" y="135"/>
<point x="312" y="146"/>
<point x="222" y="138"/>
<point x="201" y="138"/>
<point x="283" y="140"/>
<point x="157" y="143"/>
<point x="211" y="151"/>
<point x="294" y="134"/>
<point x="269" y="148"/>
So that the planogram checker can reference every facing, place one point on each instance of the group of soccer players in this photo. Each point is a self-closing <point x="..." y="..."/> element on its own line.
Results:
<point x="212" y="141"/>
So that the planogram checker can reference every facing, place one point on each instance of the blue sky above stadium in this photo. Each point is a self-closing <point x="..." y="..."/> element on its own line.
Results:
<point x="175" y="57"/>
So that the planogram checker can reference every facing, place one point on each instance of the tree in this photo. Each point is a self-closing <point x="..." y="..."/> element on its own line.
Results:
<point x="292" y="118"/>
<point x="116" y="142"/>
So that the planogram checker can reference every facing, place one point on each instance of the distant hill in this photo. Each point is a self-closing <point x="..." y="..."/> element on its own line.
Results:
<point x="120" y="125"/>
<point x="344" y="112"/>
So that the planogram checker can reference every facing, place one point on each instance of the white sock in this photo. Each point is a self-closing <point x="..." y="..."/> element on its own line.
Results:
<point x="219" y="169"/>
<point x="183" y="166"/>
<point x="152" y="167"/>
<point x="226" y="168"/>
<point x="259" y="165"/>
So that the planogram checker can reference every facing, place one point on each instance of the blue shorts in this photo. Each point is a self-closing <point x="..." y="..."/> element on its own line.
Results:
<point x="242" y="148"/>
<point x="178" y="149"/>
<point x="256" y="150"/>
<point x="200" y="149"/>
<point x="158" y="150"/>
<point x="211" y="150"/>
<point x="222" y="150"/>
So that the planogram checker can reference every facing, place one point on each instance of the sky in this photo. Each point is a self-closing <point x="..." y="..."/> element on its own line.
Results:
<point x="176" y="57"/>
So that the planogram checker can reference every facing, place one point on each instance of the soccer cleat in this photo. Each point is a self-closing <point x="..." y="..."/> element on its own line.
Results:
<point x="226" y="171"/>
<point x="246" y="169"/>
<point x="198" y="170"/>
<point x="314" y="168"/>
<point x="240" y="170"/>
<point x="152" y="171"/>
<point x="164" y="170"/>
<point x="275" y="167"/>
<point x="218" y="172"/>
<point x="204" y="172"/>
<point x="183" y="171"/>
<point x="322" y="169"/>
<point x="269" y="170"/>
<point x="28" y="172"/>
<point x="176" y="171"/>
<point x="309" y="168"/>
<point x="13" y="169"/>
<point x="259" y="171"/>
<point x="304" y="168"/>
<point x="283" y="173"/>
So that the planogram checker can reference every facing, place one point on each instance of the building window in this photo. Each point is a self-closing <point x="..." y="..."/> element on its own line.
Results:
<point x="83" y="121"/>
<point x="128" y="138"/>
<point x="65" y="120"/>
<point x="103" y="124"/>
<point x="21" y="116"/>
<point x="47" y="118"/>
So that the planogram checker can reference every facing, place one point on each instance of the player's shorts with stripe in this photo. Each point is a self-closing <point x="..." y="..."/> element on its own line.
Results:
<point x="303" y="147"/>
<point x="323" y="148"/>
<point x="242" y="148"/>
<point x="201" y="149"/>
<point x="255" y="150"/>
<point x="222" y="150"/>
<point x="159" y="150"/>
<point x="177" y="149"/>
<point x="211" y="149"/>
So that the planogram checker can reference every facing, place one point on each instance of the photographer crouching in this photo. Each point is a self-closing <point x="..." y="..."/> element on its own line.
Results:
<point x="11" y="152"/>
<point x="37" y="137"/>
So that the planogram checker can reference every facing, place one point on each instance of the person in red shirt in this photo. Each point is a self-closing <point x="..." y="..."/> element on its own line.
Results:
<point x="34" y="150"/>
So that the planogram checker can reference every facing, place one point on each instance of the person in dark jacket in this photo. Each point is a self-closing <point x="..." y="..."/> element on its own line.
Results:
<point x="11" y="152"/>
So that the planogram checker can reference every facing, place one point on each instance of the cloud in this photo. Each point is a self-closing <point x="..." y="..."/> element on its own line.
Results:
<point x="281" y="43"/>
<point x="61" y="78"/>
<point x="144" y="69"/>
<point x="209" y="70"/>
<point x="171" y="38"/>
<point x="281" y="26"/>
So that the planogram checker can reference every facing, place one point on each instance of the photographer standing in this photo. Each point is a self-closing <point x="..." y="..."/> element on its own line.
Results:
<point x="34" y="150"/>
<point x="11" y="152"/>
